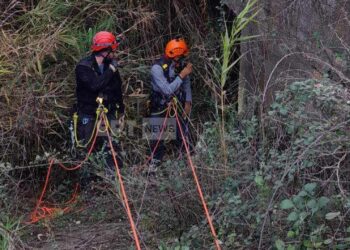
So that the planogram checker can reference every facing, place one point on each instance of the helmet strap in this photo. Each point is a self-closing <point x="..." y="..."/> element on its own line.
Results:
<point x="101" y="52"/>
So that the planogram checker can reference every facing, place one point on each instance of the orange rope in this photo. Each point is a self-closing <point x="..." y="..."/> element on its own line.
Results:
<point x="49" y="212"/>
<point x="74" y="196"/>
<point x="199" y="189"/>
<point x="71" y="200"/>
<point x="159" y="138"/>
<point x="89" y="151"/>
<point x="33" y="216"/>
<point x="41" y="212"/>
<point x="125" y="198"/>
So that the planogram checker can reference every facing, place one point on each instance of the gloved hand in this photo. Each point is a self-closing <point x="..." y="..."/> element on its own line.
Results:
<point x="113" y="65"/>
<point x="187" y="109"/>
<point x="186" y="71"/>
<point x="121" y="121"/>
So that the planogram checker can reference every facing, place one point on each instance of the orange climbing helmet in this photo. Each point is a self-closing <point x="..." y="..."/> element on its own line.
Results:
<point x="176" y="47"/>
<point x="104" y="40"/>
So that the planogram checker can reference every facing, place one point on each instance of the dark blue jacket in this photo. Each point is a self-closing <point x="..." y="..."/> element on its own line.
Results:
<point x="91" y="83"/>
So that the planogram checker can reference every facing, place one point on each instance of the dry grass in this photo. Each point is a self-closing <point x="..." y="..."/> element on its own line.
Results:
<point x="40" y="44"/>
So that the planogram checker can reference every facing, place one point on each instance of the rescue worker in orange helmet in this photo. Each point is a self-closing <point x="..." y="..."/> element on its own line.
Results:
<point x="170" y="78"/>
<point x="97" y="76"/>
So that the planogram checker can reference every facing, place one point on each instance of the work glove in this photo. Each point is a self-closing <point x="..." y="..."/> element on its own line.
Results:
<point x="187" y="109"/>
<point x="113" y="65"/>
<point x="186" y="71"/>
<point x="121" y="122"/>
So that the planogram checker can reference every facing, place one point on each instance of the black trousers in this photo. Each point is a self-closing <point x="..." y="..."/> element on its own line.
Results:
<point x="85" y="127"/>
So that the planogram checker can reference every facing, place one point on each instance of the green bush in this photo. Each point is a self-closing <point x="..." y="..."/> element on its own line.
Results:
<point x="288" y="189"/>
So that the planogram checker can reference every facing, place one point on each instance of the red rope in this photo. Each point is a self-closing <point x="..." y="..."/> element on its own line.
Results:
<point x="34" y="217"/>
<point x="89" y="151"/>
<point x="125" y="198"/>
<point x="50" y="212"/>
<point x="159" y="138"/>
<point x="41" y="212"/>
<point x="199" y="189"/>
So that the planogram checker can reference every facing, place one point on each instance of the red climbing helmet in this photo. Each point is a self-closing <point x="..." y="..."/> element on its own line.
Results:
<point x="104" y="40"/>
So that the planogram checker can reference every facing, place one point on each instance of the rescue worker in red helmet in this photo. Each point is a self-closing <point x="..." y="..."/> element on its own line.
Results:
<point x="169" y="78"/>
<point x="97" y="76"/>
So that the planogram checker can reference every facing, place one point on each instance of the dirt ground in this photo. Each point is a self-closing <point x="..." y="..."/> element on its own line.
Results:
<point x="98" y="219"/>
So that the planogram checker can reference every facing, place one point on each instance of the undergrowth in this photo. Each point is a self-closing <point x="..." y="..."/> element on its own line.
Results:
<point x="279" y="180"/>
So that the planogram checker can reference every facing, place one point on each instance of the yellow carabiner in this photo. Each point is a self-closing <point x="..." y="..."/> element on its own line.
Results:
<point x="99" y="100"/>
<point x="75" y="122"/>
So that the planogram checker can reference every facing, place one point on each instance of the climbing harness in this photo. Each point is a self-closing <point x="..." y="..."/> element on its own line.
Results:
<point x="100" y="109"/>
<point x="75" y="121"/>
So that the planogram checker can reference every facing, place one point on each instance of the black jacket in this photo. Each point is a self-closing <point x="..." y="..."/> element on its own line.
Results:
<point x="91" y="84"/>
